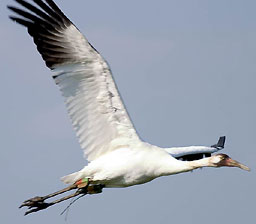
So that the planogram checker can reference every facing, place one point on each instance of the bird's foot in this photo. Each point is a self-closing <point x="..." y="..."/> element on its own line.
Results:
<point x="32" y="202"/>
<point x="38" y="203"/>
<point x="35" y="204"/>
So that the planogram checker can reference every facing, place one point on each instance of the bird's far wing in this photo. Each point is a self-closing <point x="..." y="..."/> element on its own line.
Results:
<point x="84" y="78"/>
<point x="196" y="152"/>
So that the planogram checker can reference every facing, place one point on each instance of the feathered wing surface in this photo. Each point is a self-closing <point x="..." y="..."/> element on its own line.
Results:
<point x="196" y="152"/>
<point x="83" y="76"/>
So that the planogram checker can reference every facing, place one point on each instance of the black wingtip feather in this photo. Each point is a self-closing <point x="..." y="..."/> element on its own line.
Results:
<point x="193" y="157"/>
<point x="46" y="23"/>
<point x="55" y="7"/>
<point x="59" y="18"/>
<point x="24" y="14"/>
<point x="20" y="21"/>
<point x="220" y="144"/>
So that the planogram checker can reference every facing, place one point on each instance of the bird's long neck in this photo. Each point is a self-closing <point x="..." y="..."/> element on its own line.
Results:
<point x="174" y="166"/>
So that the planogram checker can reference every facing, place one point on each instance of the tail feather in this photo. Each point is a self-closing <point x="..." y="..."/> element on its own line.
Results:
<point x="71" y="178"/>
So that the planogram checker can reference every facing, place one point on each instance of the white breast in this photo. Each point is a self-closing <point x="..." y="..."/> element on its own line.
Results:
<point x="125" y="167"/>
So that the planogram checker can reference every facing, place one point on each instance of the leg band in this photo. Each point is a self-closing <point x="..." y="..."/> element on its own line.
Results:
<point x="82" y="182"/>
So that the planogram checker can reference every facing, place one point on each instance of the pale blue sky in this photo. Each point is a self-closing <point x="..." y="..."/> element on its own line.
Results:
<point x="186" y="70"/>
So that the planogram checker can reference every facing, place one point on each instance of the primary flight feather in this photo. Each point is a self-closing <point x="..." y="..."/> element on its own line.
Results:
<point x="117" y="156"/>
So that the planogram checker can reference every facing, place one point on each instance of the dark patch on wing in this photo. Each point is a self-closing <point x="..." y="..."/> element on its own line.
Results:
<point x="192" y="157"/>
<point x="46" y="23"/>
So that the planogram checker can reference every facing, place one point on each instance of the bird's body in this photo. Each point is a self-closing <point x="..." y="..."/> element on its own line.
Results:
<point x="116" y="154"/>
<point x="137" y="164"/>
<point x="123" y="167"/>
<point x="127" y="166"/>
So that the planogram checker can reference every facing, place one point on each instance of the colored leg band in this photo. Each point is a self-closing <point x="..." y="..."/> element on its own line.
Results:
<point x="82" y="181"/>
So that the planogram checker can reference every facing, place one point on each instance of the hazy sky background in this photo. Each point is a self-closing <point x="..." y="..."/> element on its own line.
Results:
<point x="186" y="70"/>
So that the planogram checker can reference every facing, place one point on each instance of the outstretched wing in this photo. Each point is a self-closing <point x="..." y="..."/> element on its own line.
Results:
<point x="83" y="76"/>
<point x="196" y="152"/>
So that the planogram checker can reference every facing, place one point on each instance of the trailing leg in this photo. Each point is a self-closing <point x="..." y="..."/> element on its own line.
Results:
<point x="38" y="203"/>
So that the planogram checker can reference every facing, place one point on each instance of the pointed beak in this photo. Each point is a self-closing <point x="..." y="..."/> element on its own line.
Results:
<point x="234" y="163"/>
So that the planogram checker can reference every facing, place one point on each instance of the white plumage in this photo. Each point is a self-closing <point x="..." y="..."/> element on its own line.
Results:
<point x="117" y="156"/>
<point x="94" y="106"/>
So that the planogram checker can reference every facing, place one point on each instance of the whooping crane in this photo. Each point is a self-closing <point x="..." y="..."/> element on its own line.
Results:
<point x="117" y="156"/>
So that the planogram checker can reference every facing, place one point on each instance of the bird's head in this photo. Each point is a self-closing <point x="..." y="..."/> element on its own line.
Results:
<point x="220" y="160"/>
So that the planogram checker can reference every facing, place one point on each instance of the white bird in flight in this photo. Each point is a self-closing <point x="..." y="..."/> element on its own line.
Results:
<point x="117" y="156"/>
